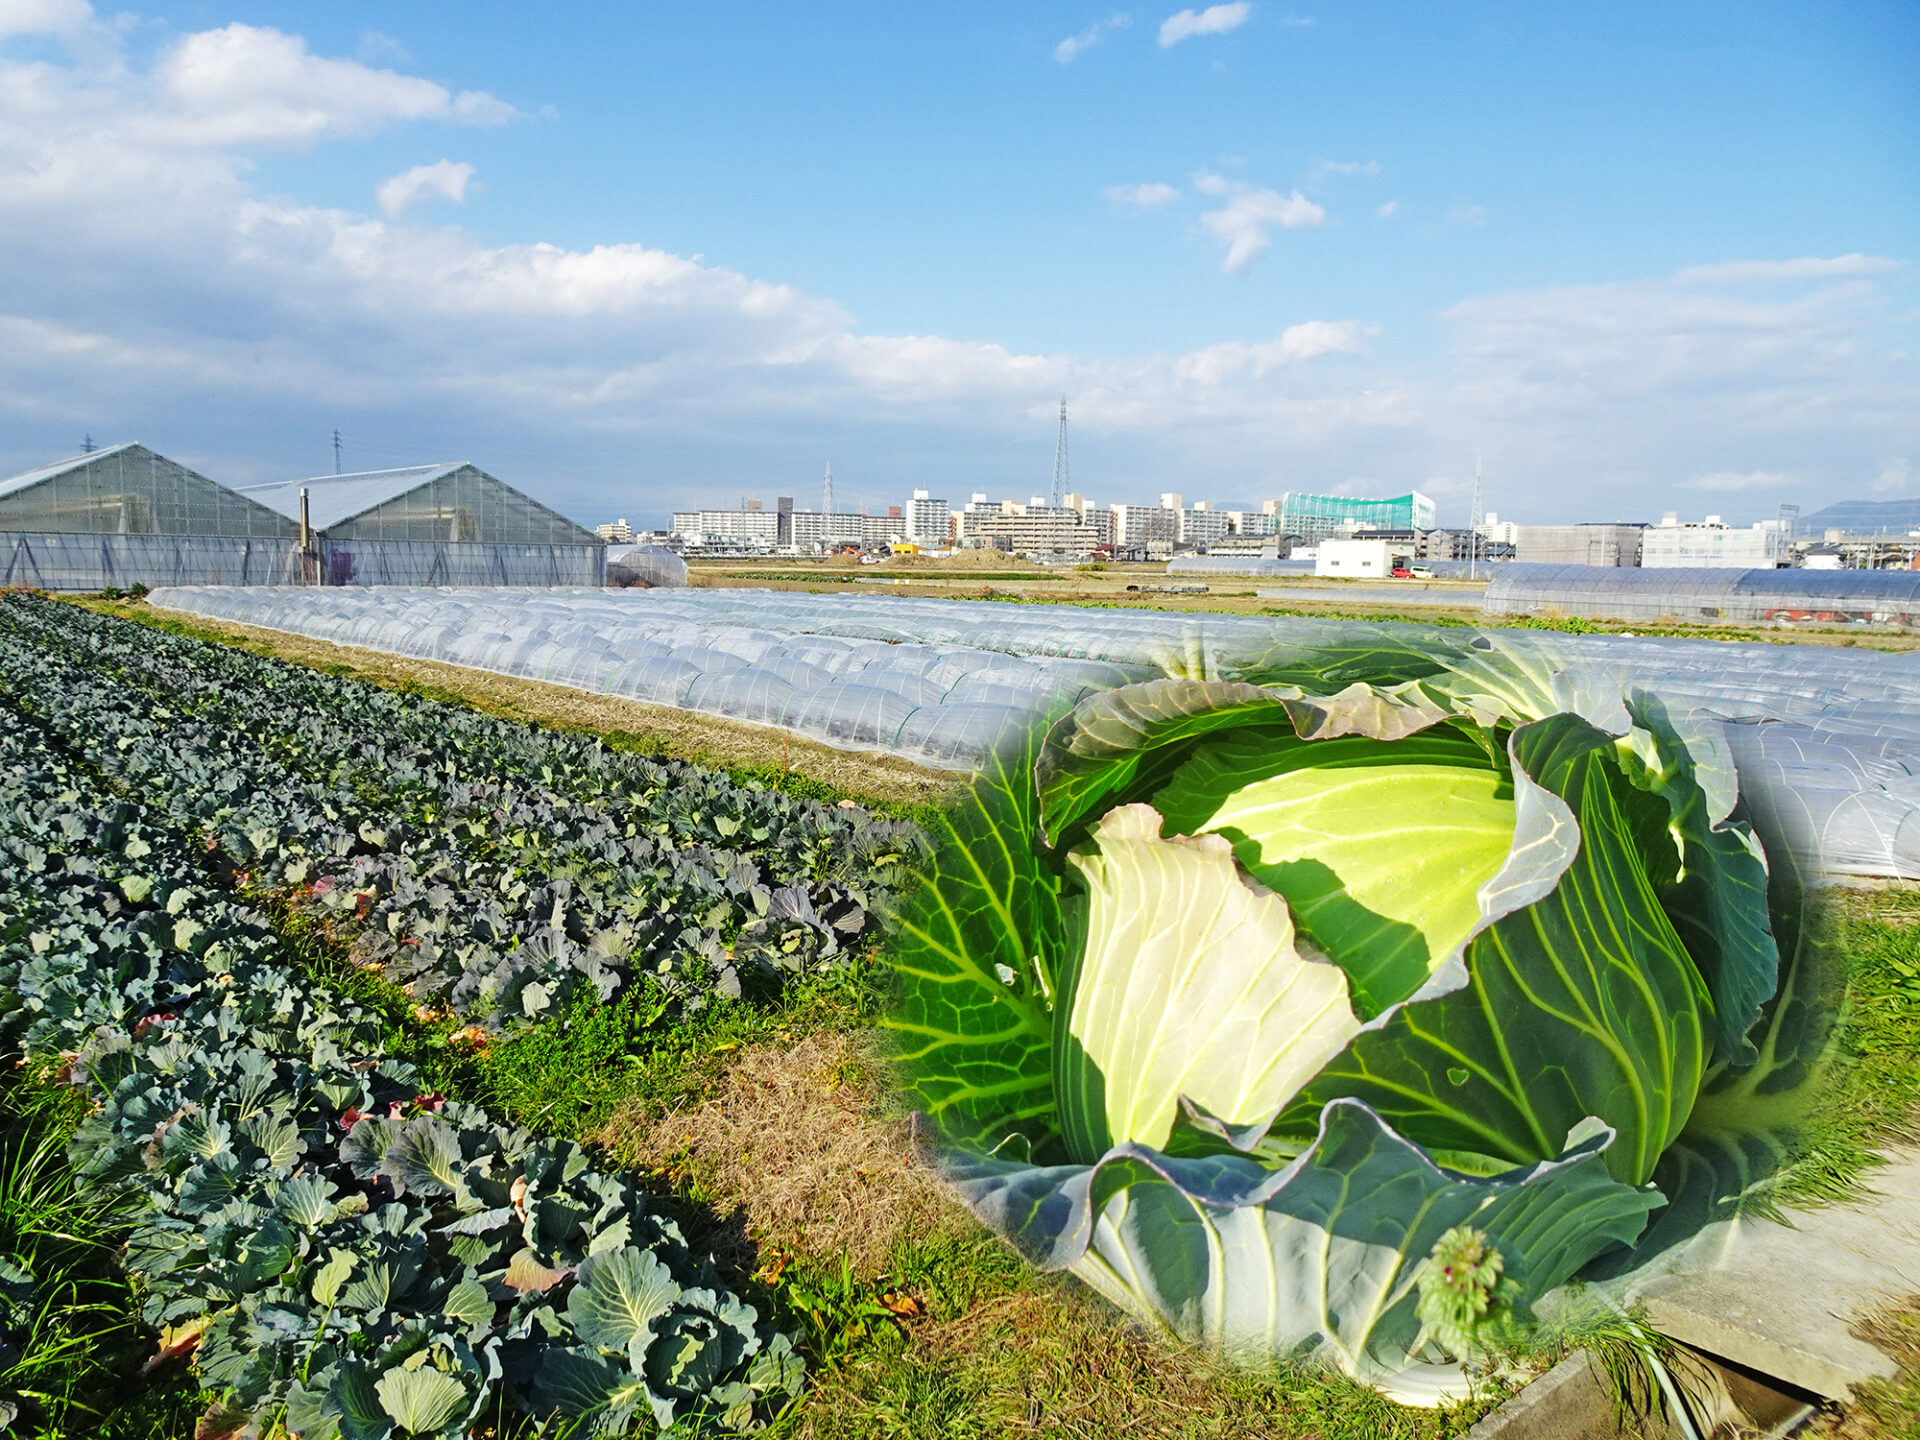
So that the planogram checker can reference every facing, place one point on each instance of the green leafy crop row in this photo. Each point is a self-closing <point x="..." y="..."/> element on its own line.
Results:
<point x="483" y="864"/>
<point x="334" y="1246"/>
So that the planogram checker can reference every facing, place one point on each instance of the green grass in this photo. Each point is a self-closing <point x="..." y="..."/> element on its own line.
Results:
<point x="1871" y="1095"/>
<point x="73" y="1349"/>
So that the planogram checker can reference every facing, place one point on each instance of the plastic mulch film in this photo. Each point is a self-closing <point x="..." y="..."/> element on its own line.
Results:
<point x="1827" y="737"/>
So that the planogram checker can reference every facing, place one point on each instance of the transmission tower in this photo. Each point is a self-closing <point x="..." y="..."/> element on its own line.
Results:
<point x="87" y="446"/>
<point x="1060" y="482"/>
<point x="1479" y="518"/>
<point x="826" y="491"/>
<point x="336" y="452"/>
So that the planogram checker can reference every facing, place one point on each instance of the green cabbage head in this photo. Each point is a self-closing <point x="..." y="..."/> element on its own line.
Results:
<point x="1235" y="995"/>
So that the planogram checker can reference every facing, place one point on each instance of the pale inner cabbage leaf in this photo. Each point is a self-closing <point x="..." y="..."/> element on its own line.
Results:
<point x="1380" y="847"/>
<point x="1190" y="983"/>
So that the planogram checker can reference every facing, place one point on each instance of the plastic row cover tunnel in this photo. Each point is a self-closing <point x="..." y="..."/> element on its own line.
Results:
<point x="1827" y="739"/>
<point x="941" y="705"/>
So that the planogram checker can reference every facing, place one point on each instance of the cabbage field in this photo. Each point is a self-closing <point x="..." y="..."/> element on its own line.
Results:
<point x="1316" y="995"/>
<point x="325" y="1236"/>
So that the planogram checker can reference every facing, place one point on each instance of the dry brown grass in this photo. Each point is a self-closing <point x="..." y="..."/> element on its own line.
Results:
<point x="705" y="739"/>
<point x="1886" y="1409"/>
<point x="790" y="1147"/>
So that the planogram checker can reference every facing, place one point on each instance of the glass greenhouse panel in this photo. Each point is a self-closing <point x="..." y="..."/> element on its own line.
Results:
<point x="93" y="562"/>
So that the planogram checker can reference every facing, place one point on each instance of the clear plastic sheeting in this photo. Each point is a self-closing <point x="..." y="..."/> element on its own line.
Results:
<point x="1781" y="597"/>
<point x="93" y="562"/>
<point x="458" y="562"/>
<point x="1827" y="738"/>
<point x="645" y="565"/>
<point x="743" y="654"/>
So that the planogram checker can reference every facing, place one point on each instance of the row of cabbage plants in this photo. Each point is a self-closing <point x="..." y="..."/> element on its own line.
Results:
<point x="491" y="866"/>
<point x="335" y="1247"/>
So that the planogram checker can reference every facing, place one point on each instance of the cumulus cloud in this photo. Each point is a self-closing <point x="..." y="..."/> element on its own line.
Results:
<point x="1143" y="197"/>
<point x="1388" y="210"/>
<point x="1066" y="51"/>
<point x="1295" y="345"/>
<point x="444" y="179"/>
<point x="244" y="85"/>
<point x="1732" y="481"/>
<point x="1214" y="20"/>
<point x="1894" y="475"/>
<point x="1244" y="224"/>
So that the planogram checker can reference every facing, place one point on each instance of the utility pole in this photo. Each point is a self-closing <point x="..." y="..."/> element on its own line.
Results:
<point x="1478" y="519"/>
<point x="1061" y="483"/>
<point x="336" y="451"/>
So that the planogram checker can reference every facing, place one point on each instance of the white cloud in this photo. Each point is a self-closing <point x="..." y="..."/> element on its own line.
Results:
<point x="1731" y="481"/>
<point x="1073" y="45"/>
<point x="1894" y="475"/>
<point x="1388" y="210"/>
<point x="377" y="47"/>
<point x="1244" y="222"/>
<point x="1296" y="345"/>
<point x="1807" y="267"/>
<point x="1298" y="21"/>
<point x="1214" y="20"/>
<point x="243" y="85"/>
<point x="1471" y="216"/>
<point x="1150" y="196"/>
<point x="44" y="17"/>
<point x="444" y="179"/>
<point x="1324" y="168"/>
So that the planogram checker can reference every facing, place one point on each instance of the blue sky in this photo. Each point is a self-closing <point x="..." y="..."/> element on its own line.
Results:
<point x="1638" y="257"/>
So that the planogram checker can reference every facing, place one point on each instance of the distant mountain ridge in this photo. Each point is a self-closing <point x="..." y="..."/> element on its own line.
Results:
<point x="1869" y="517"/>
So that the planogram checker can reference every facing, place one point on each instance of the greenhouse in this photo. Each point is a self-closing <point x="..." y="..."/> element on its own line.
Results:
<point x="125" y="515"/>
<point x="941" y="682"/>
<point x="451" y="524"/>
<point x="1774" y="596"/>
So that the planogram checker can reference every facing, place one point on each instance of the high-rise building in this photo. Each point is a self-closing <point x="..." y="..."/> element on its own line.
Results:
<point x="1147" y="526"/>
<point x="1316" y="517"/>
<point x="928" y="521"/>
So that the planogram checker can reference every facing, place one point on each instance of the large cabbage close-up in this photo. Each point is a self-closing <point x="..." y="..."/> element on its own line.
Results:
<point x="1240" y="995"/>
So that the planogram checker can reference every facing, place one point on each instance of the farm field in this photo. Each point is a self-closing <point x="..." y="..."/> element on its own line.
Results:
<point x="1307" y="596"/>
<point x="713" y="1052"/>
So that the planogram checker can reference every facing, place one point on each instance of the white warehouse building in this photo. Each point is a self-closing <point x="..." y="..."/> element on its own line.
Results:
<point x="1713" y="545"/>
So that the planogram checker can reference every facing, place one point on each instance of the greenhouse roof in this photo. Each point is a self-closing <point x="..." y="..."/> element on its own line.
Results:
<point x="332" y="499"/>
<point x="60" y="467"/>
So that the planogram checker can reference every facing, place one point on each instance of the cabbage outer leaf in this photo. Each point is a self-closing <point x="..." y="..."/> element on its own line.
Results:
<point x="1319" y="1256"/>
<point x="975" y="947"/>
<point x="1189" y="983"/>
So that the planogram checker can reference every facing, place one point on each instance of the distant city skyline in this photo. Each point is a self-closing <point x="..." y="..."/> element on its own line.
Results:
<point x="1639" y="258"/>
